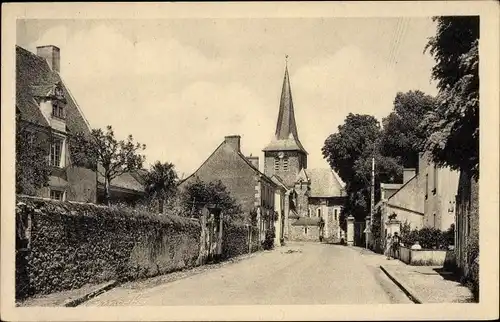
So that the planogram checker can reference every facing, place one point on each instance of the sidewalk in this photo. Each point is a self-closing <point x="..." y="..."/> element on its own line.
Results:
<point x="423" y="284"/>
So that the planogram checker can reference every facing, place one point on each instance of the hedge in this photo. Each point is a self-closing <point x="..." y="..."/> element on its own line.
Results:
<point x="428" y="238"/>
<point x="72" y="244"/>
<point x="235" y="240"/>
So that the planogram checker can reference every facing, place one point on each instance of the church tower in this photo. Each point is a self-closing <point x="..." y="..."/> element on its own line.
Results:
<point x="285" y="156"/>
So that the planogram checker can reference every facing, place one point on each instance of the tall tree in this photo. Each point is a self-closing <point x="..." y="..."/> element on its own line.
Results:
<point x="108" y="156"/>
<point x="32" y="164"/>
<point x="161" y="183"/>
<point x="350" y="151"/>
<point x="453" y="127"/>
<point x="401" y="128"/>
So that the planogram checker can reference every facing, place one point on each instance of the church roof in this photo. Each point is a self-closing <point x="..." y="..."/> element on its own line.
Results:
<point x="286" y="136"/>
<point x="325" y="183"/>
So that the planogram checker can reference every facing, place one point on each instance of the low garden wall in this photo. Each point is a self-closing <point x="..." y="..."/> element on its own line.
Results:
<point x="62" y="245"/>
<point x="425" y="257"/>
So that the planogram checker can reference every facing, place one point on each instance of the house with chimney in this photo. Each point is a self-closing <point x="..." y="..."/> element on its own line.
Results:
<point x="425" y="198"/>
<point x="47" y="109"/>
<point x="256" y="192"/>
<point x="314" y="197"/>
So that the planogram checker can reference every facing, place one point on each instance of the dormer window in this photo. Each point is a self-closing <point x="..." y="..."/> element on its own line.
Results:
<point x="58" y="110"/>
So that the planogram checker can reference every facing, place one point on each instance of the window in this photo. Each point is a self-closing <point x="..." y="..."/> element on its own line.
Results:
<point x="319" y="212"/>
<point x="305" y="230"/>
<point x="285" y="164"/>
<point x="426" y="185"/>
<point x="57" y="110"/>
<point x="55" y="152"/>
<point x="335" y="214"/>
<point x="309" y="212"/>
<point x="434" y="221"/>
<point x="276" y="164"/>
<point x="56" y="194"/>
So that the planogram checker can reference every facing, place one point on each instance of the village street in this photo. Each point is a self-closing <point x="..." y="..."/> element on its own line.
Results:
<point x="300" y="273"/>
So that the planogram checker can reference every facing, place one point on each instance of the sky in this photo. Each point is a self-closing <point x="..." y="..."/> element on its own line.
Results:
<point x="180" y="85"/>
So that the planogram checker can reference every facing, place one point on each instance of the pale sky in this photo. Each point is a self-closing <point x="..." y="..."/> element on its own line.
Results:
<point x="180" y="85"/>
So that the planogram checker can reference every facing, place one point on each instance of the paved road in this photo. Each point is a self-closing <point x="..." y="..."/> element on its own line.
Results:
<point x="301" y="273"/>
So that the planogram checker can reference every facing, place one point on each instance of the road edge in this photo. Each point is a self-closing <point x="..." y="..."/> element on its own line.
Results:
<point x="88" y="296"/>
<point x="405" y="288"/>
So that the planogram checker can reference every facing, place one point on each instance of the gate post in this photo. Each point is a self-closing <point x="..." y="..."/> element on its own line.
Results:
<point x="203" y="236"/>
<point x="350" y="231"/>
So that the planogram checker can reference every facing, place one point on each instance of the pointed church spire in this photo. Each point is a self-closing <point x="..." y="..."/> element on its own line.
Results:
<point x="286" y="127"/>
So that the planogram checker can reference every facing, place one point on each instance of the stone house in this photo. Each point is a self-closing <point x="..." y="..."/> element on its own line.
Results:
<point x="47" y="108"/>
<point x="313" y="196"/>
<point x="252" y="189"/>
<point x="426" y="198"/>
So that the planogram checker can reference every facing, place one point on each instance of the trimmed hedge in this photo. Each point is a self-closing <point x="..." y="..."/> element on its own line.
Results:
<point x="235" y="240"/>
<point x="71" y="245"/>
<point x="428" y="238"/>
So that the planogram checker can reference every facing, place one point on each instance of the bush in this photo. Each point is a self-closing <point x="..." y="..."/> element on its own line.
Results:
<point x="428" y="238"/>
<point x="268" y="242"/>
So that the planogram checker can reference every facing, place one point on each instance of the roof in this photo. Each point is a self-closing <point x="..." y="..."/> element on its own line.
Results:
<point x="293" y="214"/>
<point x="125" y="181"/>
<point x="35" y="78"/>
<point x="302" y="176"/>
<point x="286" y="135"/>
<point x="325" y="183"/>
<point x="243" y="157"/>
<point x="279" y="182"/>
<point x="306" y="221"/>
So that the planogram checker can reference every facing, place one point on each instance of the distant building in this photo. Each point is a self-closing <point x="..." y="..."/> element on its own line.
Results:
<point x="47" y="108"/>
<point x="426" y="198"/>
<point x="314" y="197"/>
<point x="252" y="189"/>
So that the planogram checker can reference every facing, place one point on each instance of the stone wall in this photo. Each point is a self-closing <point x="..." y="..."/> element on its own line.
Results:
<point x="298" y="233"/>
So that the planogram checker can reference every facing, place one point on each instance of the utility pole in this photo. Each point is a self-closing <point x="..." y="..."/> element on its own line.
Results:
<point x="372" y="201"/>
<point x="372" y="198"/>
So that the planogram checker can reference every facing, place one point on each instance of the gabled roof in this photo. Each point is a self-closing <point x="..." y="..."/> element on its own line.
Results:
<point x="306" y="221"/>
<point x="325" y="183"/>
<point x="248" y="162"/>
<point x="125" y="181"/>
<point x="286" y="136"/>
<point x="34" y="78"/>
<point x="302" y="176"/>
<point x="293" y="214"/>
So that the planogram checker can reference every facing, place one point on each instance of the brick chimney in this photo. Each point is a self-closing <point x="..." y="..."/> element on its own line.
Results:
<point x="408" y="174"/>
<point x="254" y="160"/>
<point x="233" y="141"/>
<point x="52" y="55"/>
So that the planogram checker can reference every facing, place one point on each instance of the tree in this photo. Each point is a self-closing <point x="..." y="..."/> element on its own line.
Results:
<point x="199" y="194"/>
<point x="349" y="152"/>
<point x="401" y="131"/>
<point x="161" y="183"/>
<point x="103" y="153"/>
<point x="453" y="127"/>
<point x="32" y="165"/>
